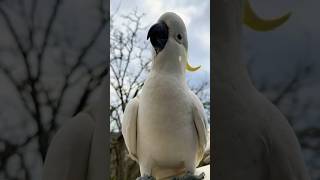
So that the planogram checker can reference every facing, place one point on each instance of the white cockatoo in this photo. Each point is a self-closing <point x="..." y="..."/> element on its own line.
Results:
<point x="251" y="138"/>
<point x="165" y="128"/>
<point x="79" y="149"/>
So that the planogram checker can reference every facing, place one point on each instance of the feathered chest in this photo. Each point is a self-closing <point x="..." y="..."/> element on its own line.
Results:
<point x="165" y="98"/>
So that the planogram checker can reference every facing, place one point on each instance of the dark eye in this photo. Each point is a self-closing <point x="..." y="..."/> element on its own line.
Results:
<point x="179" y="36"/>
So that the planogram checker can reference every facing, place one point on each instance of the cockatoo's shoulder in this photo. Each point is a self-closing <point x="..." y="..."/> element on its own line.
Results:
<point x="68" y="154"/>
<point x="283" y="150"/>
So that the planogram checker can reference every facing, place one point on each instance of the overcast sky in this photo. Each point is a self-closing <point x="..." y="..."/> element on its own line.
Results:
<point x="196" y="15"/>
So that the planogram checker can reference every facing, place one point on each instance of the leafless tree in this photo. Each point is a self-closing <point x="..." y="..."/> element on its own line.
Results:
<point x="48" y="68"/>
<point x="129" y="64"/>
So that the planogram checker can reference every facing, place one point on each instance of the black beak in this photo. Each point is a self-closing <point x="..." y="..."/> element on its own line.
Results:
<point x="158" y="34"/>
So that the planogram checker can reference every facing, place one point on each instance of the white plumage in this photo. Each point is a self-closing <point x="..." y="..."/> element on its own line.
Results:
<point x="164" y="128"/>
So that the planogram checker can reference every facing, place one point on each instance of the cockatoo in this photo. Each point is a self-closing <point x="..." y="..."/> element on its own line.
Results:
<point x="252" y="140"/>
<point x="165" y="128"/>
<point x="79" y="149"/>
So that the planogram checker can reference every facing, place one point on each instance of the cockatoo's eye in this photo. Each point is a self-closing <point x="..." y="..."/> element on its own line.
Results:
<point x="179" y="37"/>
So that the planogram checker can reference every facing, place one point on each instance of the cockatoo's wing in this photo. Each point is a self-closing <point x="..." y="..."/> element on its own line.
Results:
<point x="129" y="127"/>
<point x="200" y="124"/>
<point x="69" y="151"/>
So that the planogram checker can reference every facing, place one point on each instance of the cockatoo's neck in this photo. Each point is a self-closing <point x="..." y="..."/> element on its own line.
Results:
<point x="171" y="60"/>
<point x="227" y="44"/>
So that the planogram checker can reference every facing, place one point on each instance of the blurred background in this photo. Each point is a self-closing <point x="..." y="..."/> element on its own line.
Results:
<point x="284" y="65"/>
<point x="130" y="62"/>
<point x="53" y="59"/>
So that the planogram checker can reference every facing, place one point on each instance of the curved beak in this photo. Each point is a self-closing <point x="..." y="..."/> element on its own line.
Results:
<point x="158" y="34"/>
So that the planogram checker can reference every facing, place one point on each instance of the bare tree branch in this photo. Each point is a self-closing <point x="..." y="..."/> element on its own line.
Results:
<point x="80" y="59"/>
<point x="46" y="35"/>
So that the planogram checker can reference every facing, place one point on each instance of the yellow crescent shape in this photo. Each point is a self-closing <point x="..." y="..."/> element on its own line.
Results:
<point x="251" y="19"/>
<point x="190" y="68"/>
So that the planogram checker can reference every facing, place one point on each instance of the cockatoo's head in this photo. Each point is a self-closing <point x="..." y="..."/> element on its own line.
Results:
<point x="170" y="27"/>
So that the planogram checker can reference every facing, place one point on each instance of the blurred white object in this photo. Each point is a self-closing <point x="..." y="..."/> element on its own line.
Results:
<point x="206" y="170"/>
<point x="79" y="149"/>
